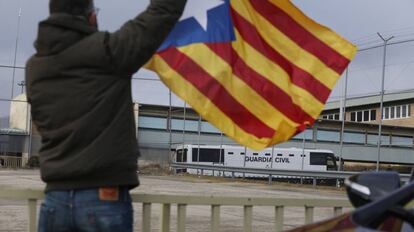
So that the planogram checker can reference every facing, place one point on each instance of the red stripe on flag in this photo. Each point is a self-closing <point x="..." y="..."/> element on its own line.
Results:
<point x="213" y="90"/>
<point x="300" y="35"/>
<point x="298" y="76"/>
<point x="268" y="90"/>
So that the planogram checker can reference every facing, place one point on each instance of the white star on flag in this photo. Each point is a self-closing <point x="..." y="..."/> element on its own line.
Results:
<point x="198" y="9"/>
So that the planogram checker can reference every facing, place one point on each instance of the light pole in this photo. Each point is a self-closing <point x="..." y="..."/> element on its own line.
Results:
<point x="15" y="50"/>
<point x="22" y="84"/>
<point x="382" y="96"/>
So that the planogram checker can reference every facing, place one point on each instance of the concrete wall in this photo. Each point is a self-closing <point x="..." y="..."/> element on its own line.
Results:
<point x="155" y="155"/>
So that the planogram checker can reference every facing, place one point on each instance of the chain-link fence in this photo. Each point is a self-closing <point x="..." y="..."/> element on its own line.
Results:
<point x="181" y="125"/>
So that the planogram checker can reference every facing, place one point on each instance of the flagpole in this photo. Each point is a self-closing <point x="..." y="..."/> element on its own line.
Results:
<point x="384" y="60"/>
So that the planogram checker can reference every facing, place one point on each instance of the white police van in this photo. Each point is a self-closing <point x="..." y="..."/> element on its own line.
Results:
<point x="270" y="158"/>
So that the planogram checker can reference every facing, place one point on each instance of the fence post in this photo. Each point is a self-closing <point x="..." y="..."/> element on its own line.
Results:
<point x="308" y="214"/>
<point x="181" y="217"/>
<point x="215" y="218"/>
<point x="337" y="211"/>
<point x="279" y="214"/>
<point x="146" y="217"/>
<point x="32" y="204"/>
<point x="165" y="217"/>
<point x="248" y="217"/>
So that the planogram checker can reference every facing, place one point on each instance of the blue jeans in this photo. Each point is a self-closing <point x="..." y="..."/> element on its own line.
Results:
<point x="83" y="211"/>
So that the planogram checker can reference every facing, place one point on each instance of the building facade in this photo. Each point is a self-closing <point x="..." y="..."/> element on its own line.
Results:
<point x="398" y="109"/>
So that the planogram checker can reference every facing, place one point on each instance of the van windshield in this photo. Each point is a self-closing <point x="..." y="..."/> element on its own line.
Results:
<point x="181" y="156"/>
<point x="331" y="162"/>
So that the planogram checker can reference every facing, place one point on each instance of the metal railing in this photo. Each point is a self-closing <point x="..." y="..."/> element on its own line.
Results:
<point x="273" y="172"/>
<point x="10" y="162"/>
<point x="182" y="202"/>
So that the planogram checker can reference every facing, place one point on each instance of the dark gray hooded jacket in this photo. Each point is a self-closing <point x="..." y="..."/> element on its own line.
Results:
<point x="79" y="88"/>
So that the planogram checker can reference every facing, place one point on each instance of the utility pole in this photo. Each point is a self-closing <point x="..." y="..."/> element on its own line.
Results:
<point x="169" y="126"/>
<point x="185" y="114"/>
<point x="341" y="146"/>
<point x="382" y="97"/>
<point x="198" y="139"/>
<point x="303" y="152"/>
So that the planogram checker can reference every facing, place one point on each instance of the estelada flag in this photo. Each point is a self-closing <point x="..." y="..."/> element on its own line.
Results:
<point x="259" y="70"/>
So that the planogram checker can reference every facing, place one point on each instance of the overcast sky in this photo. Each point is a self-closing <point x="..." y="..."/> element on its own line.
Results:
<point x="356" y="20"/>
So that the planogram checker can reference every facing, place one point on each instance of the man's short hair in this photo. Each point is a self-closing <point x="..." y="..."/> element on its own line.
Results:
<point x="73" y="7"/>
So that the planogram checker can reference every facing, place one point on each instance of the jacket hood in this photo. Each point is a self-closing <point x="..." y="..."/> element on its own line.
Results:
<point x="59" y="32"/>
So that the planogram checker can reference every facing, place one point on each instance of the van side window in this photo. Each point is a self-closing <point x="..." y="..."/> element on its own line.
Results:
<point x="255" y="153"/>
<point x="291" y="155"/>
<point x="279" y="154"/>
<point x="318" y="158"/>
<point x="208" y="155"/>
<point x="268" y="154"/>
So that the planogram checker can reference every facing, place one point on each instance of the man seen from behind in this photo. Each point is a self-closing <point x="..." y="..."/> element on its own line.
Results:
<point x="79" y="88"/>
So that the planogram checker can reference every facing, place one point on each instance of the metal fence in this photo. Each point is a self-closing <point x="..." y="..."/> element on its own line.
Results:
<point x="246" y="204"/>
<point x="11" y="162"/>
<point x="366" y="67"/>
<point x="273" y="172"/>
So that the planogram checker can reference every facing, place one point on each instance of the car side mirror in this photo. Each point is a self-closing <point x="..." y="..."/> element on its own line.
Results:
<point x="370" y="186"/>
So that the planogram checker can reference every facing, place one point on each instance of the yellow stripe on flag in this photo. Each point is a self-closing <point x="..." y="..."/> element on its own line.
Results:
<point x="277" y="76"/>
<point x="205" y="107"/>
<point x="217" y="68"/>
<point x="324" y="34"/>
<point x="286" y="47"/>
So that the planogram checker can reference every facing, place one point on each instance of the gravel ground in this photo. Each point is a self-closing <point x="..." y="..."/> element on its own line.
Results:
<point x="13" y="214"/>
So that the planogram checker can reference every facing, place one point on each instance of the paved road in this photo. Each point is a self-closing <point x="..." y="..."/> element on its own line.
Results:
<point x="13" y="214"/>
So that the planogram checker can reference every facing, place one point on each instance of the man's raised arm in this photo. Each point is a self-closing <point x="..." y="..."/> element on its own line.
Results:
<point x="136" y="41"/>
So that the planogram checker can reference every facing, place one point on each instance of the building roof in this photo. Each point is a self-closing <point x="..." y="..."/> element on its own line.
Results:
<point x="372" y="99"/>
